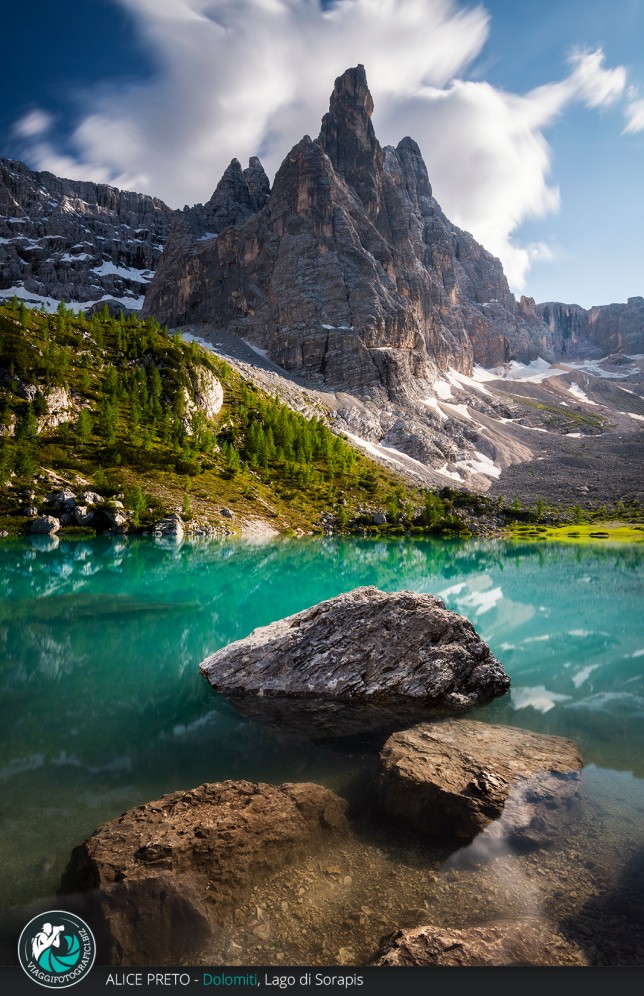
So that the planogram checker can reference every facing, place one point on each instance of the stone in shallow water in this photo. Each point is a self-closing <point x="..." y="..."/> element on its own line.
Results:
<point x="520" y="941"/>
<point x="403" y="652"/>
<point x="453" y="778"/>
<point x="160" y="877"/>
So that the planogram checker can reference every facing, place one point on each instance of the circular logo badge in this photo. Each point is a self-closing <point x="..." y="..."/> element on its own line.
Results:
<point x="56" y="949"/>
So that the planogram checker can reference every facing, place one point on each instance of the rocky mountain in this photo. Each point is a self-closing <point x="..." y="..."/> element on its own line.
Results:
<point x="346" y="271"/>
<point x="598" y="331"/>
<point x="345" y="287"/>
<point x="79" y="241"/>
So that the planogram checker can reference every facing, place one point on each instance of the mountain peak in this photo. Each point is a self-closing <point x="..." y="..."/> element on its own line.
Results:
<point x="347" y="134"/>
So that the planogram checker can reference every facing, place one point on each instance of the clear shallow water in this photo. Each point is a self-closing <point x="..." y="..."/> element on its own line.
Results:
<point x="102" y="706"/>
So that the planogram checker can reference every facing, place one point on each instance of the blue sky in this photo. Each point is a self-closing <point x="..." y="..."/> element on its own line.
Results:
<point x="530" y="114"/>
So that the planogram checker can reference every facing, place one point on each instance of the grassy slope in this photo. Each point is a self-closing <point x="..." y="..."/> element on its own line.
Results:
<point x="135" y="440"/>
<point x="129" y="433"/>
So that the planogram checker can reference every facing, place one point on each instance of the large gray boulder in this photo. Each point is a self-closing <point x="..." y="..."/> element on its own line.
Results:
<point x="453" y="778"/>
<point x="401" y="651"/>
<point x="528" y="940"/>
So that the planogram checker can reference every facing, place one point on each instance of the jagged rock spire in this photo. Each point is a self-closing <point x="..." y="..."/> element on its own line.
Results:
<point x="347" y="134"/>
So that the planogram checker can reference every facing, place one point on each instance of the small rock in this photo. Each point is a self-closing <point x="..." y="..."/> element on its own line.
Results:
<point x="262" y="931"/>
<point x="30" y="511"/>
<point x="64" y="499"/>
<point x="227" y="513"/>
<point x="379" y="518"/>
<point x="517" y="941"/>
<point x="83" y="515"/>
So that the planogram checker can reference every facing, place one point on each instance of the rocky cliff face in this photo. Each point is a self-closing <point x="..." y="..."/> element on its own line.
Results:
<point x="347" y="271"/>
<point x="609" y="328"/>
<point x="83" y="242"/>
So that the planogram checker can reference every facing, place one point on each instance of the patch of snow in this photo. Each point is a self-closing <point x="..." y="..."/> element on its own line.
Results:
<point x="256" y="349"/>
<point x="640" y="418"/>
<point x="68" y="258"/>
<point x="435" y="407"/>
<point x="577" y="392"/>
<point x="202" y="238"/>
<point x="51" y="304"/>
<point x="533" y="428"/>
<point x="596" y="370"/>
<point x="189" y="337"/>
<point x="405" y="456"/>
<point x="574" y="435"/>
<point x="537" y="697"/>
<point x="107" y="268"/>
<point x="448" y="473"/>
<point x="480" y="465"/>
<point x="481" y="374"/>
<point x="461" y="410"/>
<point x="373" y="448"/>
<point x="528" y="373"/>
<point x="462" y="380"/>
<point x="443" y="389"/>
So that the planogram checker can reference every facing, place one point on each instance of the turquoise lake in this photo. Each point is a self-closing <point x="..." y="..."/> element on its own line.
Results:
<point x="103" y="707"/>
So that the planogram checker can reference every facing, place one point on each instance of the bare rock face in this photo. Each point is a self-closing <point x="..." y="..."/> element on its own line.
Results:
<point x="522" y="941"/>
<point x="453" y="778"/>
<point x="347" y="271"/>
<point x="160" y="877"/>
<point x="76" y="240"/>
<point x="598" y="331"/>
<point x="403" y="651"/>
<point x="208" y="395"/>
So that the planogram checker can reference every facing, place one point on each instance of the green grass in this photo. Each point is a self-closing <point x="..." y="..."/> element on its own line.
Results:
<point x="595" y="532"/>
<point x="131" y="433"/>
<point x="564" y="417"/>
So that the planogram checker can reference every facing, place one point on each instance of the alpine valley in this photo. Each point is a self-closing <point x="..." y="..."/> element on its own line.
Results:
<point x="345" y="291"/>
<point x="256" y="753"/>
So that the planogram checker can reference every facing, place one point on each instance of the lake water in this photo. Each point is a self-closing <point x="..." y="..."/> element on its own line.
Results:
<point x="102" y="705"/>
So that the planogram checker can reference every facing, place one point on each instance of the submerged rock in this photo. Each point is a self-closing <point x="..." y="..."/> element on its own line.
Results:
<point x="161" y="876"/>
<point x="522" y="941"/>
<point x="453" y="778"/>
<point x="398" y="653"/>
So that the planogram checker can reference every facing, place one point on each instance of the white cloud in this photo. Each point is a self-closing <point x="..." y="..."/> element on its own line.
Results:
<point x="245" y="77"/>
<point x="592" y="83"/>
<point x="634" y="117"/>
<point x="35" y="122"/>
